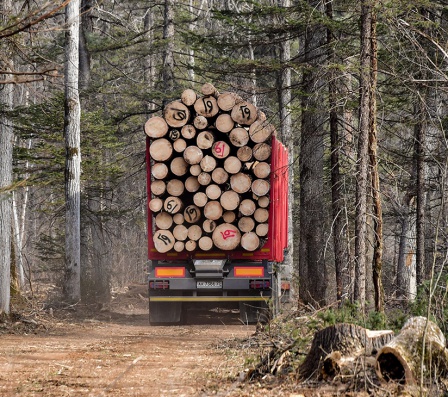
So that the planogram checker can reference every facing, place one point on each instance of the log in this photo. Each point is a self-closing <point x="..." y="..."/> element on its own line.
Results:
<point x="250" y="241"/>
<point x="262" y="151"/>
<point x="260" y="187"/>
<point x="260" y="131"/>
<point x="194" y="232"/>
<point x="192" y="214"/>
<point x="163" y="221"/>
<point x="188" y="97"/>
<point x="244" y="153"/>
<point x="247" y="207"/>
<point x="200" y="122"/>
<point x="239" y="137"/>
<point x="220" y="149"/>
<point x="191" y="245"/>
<point x="206" y="106"/>
<point x="174" y="134"/>
<point x="173" y="205"/>
<point x="220" y="176"/>
<point x="209" y="225"/>
<point x="246" y="224"/>
<point x="180" y="232"/>
<point x="156" y="127"/>
<point x="346" y="339"/>
<point x="200" y="199"/>
<point x="232" y="164"/>
<point x="226" y="237"/>
<point x="213" y="210"/>
<point x="262" y="229"/>
<point x="178" y="218"/>
<point x="263" y="202"/>
<point x="229" y="216"/>
<point x="204" y="178"/>
<point x="159" y="170"/>
<point x="224" y="123"/>
<point x="227" y="100"/>
<point x="193" y="155"/>
<point x="213" y="192"/>
<point x="191" y="184"/>
<point x="176" y="114"/>
<point x="178" y="166"/>
<point x="175" y="187"/>
<point x="208" y="163"/>
<point x="261" y="215"/>
<point x="158" y="187"/>
<point x="179" y="246"/>
<point x="261" y="170"/>
<point x="195" y="169"/>
<point x="400" y="360"/>
<point x="205" y="243"/>
<point x="188" y="131"/>
<point x="163" y="241"/>
<point x="230" y="200"/>
<point x="244" y="113"/>
<point x="208" y="89"/>
<point x="240" y="182"/>
<point x="205" y="140"/>
<point x="161" y="149"/>
<point x="155" y="205"/>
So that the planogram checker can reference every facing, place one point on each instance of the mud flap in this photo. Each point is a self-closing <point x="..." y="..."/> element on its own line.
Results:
<point x="161" y="313"/>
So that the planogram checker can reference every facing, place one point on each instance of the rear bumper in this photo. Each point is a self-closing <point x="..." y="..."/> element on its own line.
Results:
<point x="208" y="298"/>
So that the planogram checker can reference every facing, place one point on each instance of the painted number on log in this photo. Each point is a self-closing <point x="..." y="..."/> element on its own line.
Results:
<point x="245" y="112"/>
<point x="171" y="206"/>
<point x="179" y="114"/>
<point x="165" y="239"/>
<point x="192" y="214"/>
<point x="208" y="105"/>
<point x="228" y="234"/>
<point x="220" y="149"/>
<point x="174" y="134"/>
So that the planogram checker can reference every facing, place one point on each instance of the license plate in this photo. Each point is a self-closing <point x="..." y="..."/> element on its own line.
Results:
<point x="209" y="284"/>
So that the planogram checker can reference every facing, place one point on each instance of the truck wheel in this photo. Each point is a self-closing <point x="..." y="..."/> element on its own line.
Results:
<point x="164" y="313"/>
<point x="254" y="312"/>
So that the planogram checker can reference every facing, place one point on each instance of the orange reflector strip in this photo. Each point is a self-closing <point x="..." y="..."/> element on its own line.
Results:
<point x="246" y="271"/>
<point x="170" y="272"/>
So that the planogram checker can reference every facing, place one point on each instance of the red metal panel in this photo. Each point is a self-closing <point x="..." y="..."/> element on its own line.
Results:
<point x="276" y="242"/>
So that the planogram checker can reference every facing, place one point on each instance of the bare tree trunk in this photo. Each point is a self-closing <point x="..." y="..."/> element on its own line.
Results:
<point x="84" y="53"/>
<point x="312" y="269"/>
<point x="363" y="156"/>
<point x="6" y="173"/>
<point x="72" y="289"/>
<point x="168" y="56"/>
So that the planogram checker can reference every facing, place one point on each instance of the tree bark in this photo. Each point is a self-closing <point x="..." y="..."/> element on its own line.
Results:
<point x="168" y="54"/>
<point x="72" y="289"/>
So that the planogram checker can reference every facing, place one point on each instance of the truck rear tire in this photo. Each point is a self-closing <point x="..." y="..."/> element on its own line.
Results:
<point x="164" y="313"/>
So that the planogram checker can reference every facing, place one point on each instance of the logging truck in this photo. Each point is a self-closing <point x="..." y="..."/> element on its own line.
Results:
<point x="217" y="182"/>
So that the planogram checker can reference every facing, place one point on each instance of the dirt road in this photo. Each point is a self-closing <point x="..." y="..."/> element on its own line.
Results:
<point x="122" y="356"/>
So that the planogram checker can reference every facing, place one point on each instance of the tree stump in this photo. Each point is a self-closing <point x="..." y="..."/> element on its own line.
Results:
<point x="400" y="360"/>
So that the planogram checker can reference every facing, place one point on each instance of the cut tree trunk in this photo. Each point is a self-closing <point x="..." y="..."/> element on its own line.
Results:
<point x="206" y="106"/>
<point x="244" y="153"/>
<point x="161" y="149"/>
<point x="263" y="202"/>
<point x="244" y="113"/>
<point x="179" y="166"/>
<point x="200" y="199"/>
<point x="156" y="127"/>
<point x="188" y="131"/>
<point x="175" y="187"/>
<point x="260" y="187"/>
<point x="163" y="241"/>
<point x="224" y="123"/>
<point x="191" y="245"/>
<point x="204" y="178"/>
<point x="240" y="182"/>
<point x="226" y="237"/>
<point x="179" y="145"/>
<point x="260" y="131"/>
<point x="163" y="220"/>
<point x="261" y="169"/>
<point x="195" y="170"/>
<point x="180" y="232"/>
<point x="261" y="215"/>
<point x="205" y="140"/>
<point x="213" y="210"/>
<point x="158" y="188"/>
<point x="159" y="170"/>
<point x="188" y="97"/>
<point x="213" y="192"/>
<point x="262" y="151"/>
<point x="247" y="207"/>
<point x="337" y="341"/>
<point x="156" y="204"/>
<point x="178" y="218"/>
<point x="220" y="149"/>
<point x="401" y="361"/>
<point x="250" y="241"/>
<point x="246" y="224"/>
<point x="262" y="229"/>
<point x="205" y="243"/>
<point x="220" y="176"/>
<point x="208" y="226"/>
<point x="229" y="216"/>
<point x="191" y="184"/>
<point x="193" y="155"/>
<point x="239" y="137"/>
<point x="176" y="114"/>
<point x="227" y="100"/>
<point x="208" y="163"/>
<point x="179" y="246"/>
<point x="230" y="200"/>
<point x="200" y="122"/>
<point x="232" y="165"/>
<point x="192" y="214"/>
<point x="208" y="89"/>
<point x="173" y="205"/>
<point x="194" y="232"/>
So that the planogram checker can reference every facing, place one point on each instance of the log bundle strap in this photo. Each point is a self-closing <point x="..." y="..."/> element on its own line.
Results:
<point x="210" y="170"/>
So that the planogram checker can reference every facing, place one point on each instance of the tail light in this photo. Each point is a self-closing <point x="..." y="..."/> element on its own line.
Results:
<point x="159" y="284"/>
<point x="259" y="284"/>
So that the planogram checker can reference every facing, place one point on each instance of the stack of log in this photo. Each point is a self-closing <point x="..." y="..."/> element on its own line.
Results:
<point x="210" y="165"/>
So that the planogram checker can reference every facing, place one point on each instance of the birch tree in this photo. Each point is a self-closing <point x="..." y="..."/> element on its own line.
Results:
<point x="72" y="289"/>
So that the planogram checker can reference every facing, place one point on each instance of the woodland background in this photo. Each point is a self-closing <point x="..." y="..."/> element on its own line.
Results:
<point x="357" y="91"/>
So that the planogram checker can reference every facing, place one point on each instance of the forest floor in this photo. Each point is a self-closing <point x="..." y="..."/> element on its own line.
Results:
<point x="113" y="351"/>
